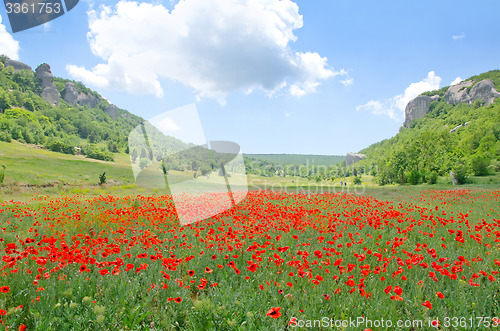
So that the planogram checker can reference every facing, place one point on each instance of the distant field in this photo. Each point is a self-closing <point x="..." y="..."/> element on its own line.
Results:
<point x="299" y="159"/>
<point x="31" y="171"/>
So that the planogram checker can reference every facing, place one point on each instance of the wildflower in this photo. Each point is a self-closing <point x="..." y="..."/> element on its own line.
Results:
<point x="274" y="312"/>
<point x="427" y="304"/>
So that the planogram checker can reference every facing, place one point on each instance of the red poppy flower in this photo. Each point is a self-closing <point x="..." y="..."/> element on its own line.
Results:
<point x="398" y="290"/>
<point x="427" y="304"/>
<point x="178" y="300"/>
<point x="191" y="273"/>
<point x="4" y="289"/>
<point x="274" y="312"/>
<point x="208" y="270"/>
<point x="440" y="295"/>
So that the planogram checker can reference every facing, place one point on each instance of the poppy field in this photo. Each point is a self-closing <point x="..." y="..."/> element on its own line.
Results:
<point x="110" y="262"/>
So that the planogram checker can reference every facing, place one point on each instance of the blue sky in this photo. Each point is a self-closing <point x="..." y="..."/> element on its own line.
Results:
<point x="308" y="77"/>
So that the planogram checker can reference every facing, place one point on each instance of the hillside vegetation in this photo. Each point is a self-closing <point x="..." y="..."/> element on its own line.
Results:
<point x="431" y="148"/>
<point x="27" y="117"/>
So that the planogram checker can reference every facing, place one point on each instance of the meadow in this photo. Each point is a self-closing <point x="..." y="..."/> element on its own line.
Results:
<point x="293" y="254"/>
<point x="108" y="262"/>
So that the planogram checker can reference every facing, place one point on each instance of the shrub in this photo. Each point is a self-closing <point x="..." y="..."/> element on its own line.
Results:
<point x="357" y="180"/>
<point x="60" y="147"/>
<point x="432" y="178"/>
<point x="2" y="173"/>
<point x="93" y="152"/>
<point x="413" y="177"/>
<point x="5" y="136"/>
<point x="102" y="178"/>
<point x="143" y="163"/>
<point x="461" y="174"/>
<point x="480" y="165"/>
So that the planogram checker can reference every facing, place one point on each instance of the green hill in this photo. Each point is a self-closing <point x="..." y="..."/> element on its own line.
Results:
<point x="298" y="159"/>
<point x="463" y="138"/>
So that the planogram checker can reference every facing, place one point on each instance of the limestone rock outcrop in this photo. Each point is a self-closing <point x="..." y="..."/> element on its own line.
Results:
<point x="87" y="100"/>
<point x="464" y="92"/>
<point x="485" y="91"/>
<point x="112" y="111"/>
<point x="352" y="158"/>
<point x="458" y="93"/>
<point x="75" y="98"/>
<point x="18" y="66"/>
<point x="417" y="108"/>
<point x="46" y="79"/>
<point x="70" y="94"/>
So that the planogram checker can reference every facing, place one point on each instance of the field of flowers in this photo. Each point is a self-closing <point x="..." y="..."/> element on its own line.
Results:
<point x="274" y="262"/>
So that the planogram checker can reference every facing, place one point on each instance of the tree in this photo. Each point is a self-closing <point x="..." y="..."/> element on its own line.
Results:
<point x="480" y="165"/>
<point x="143" y="153"/>
<point x="102" y="178"/>
<point x="2" y="173"/>
<point x="143" y="163"/>
<point x="134" y="155"/>
<point x="164" y="167"/>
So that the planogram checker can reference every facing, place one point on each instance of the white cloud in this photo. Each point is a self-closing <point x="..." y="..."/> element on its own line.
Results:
<point x="167" y="125"/>
<point x="213" y="46"/>
<point x="394" y="107"/>
<point x="458" y="36"/>
<point x="347" y="82"/>
<point x="8" y="45"/>
<point x="456" y="81"/>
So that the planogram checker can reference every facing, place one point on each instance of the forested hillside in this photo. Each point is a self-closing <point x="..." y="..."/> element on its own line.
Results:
<point x="25" y="116"/>
<point x="463" y="138"/>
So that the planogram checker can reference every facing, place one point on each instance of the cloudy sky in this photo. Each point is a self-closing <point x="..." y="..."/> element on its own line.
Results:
<point x="275" y="76"/>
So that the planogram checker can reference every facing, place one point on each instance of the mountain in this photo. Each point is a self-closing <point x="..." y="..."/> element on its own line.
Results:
<point x="456" y="128"/>
<point x="64" y="116"/>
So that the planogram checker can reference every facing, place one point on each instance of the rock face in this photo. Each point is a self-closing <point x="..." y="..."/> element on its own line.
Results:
<point x="70" y="94"/>
<point x="484" y="91"/>
<point x="18" y="66"/>
<point x="75" y="98"/>
<point x="46" y="79"/>
<point x="87" y="100"/>
<point x="458" y="93"/>
<point x="417" y="108"/>
<point x="112" y="111"/>
<point x="352" y="158"/>
<point x="464" y="92"/>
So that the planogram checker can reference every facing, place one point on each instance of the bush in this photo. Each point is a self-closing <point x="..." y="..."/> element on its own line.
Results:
<point x="143" y="163"/>
<point x="357" y="180"/>
<point x="2" y="173"/>
<point x="413" y="177"/>
<point x="98" y="154"/>
<point x="5" y="136"/>
<point x="432" y="178"/>
<point x="461" y="174"/>
<point x="60" y="147"/>
<point x="480" y="165"/>
<point x="102" y="178"/>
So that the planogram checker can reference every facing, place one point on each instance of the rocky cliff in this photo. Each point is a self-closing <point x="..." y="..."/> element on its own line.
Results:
<point x="464" y="92"/>
<point x="49" y="89"/>
<point x="18" y="66"/>
<point x="352" y="158"/>
<point x="73" y="97"/>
